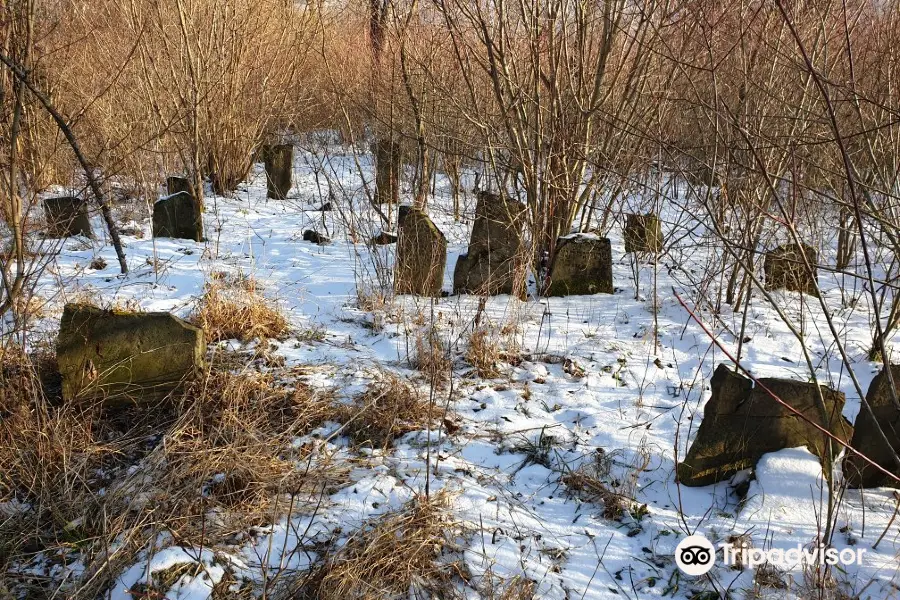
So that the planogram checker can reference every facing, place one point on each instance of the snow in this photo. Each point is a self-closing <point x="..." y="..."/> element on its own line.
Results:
<point x="636" y="398"/>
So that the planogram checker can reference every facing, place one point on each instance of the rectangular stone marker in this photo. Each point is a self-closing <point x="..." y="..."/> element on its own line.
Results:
<point x="785" y="268"/>
<point x="741" y="422"/>
<point x="279" y="165"/>
<point x="67" y="216"/>
<point x="178" y="216"/>
<point x="421" y="256"/>
<point x="492" y="263"/>
<point x="123" y="358"/>
<point x="643" y="233"/>
<point x="582" y="265"/>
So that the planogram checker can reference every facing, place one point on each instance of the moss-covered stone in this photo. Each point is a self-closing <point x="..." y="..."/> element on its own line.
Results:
<point x="178" y="216"/>
<point x="67" y="216"/>
<point x="742" y="422"/>
<point x="785" y="268"/>
<point x="643" y="233"/>
<point x="421" y="256"/>
<point x="279" y="165"/>
<point x="867" y="440"/>
<point x="125" y="357"/>
<point x="493" y="263"/>
<point x="582" y="265"/>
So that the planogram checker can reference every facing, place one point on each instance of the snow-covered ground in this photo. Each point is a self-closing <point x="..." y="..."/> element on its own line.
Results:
<point x="597" y="384"/>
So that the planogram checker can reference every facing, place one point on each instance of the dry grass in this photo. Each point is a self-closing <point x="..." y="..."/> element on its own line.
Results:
<point x="389" y="408"/>
<point x="483" y="353"/>
<point x="403" y="554"/>
<point x="430" y="355"/>
<point x="218" y="459"/>
<point x="237" y="310"/>
<point x="604" y="479"/>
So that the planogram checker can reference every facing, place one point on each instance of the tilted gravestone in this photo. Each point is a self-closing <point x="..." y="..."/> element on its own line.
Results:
<point x="178" y="216"/>
<point x="867" y="440"/>
<point x="785" y="268"/>
<point x="494" y="256"/>
<point x="421" y="256"/>
<point x="643" y="233"/>
<point x="123" y="358"/>
<point x="67" y="216"/>
<point x="279" y="165"/>
<point x="741" y="422"/>
<point x="387" y="171"/>
<point x="582" y="264"/>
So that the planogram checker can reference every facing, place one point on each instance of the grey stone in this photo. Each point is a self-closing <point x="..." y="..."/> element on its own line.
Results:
<point x="123" y="358"/>
<point x="741" y="422"/>
<point x="67" y="216"/>
<point x="581" y="265"/>
<point x="178" y="216"/>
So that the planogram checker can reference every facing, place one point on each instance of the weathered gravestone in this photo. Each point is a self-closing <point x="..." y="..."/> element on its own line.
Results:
<point x="581" y="265"/>
<point x="279" y="165"/>
<point x="785" y="268"/>
<point x="741" y="422"/>
<point x="421" y="255"/>
<point x="867" y="440"/>
<point x="178" y="216"/>
<point x="492" y="261"/>
<point x="176" y="184"/>
<point x="123" y="358"/>
<point x="643" y="233"/>
<point x="387" y="171"/>
<point x="67" y="216"/>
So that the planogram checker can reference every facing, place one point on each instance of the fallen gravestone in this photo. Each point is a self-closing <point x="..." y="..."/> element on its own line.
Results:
<point x="279" y="165"/>
<point x="785" y="268"/>
<point x="421" y="255"/>
<point x="867" y="440"/>
<point x="67" y="216"/>
<point x="494" y="256"/>
<point x="643" y="233"/>
<point x="384" y="238"/>
<point x="581" y="265"/>
<point x="741" y="422"/>
<point x="123" y="358"/>
<point x="315" y="237"/>
<point x="178" y="216"/>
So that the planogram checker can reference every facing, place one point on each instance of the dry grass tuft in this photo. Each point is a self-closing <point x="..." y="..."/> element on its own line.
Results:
<point x="233" y="443"/>
<point x="604" y="479"/>
<point x="483" y="353"/>
<point x="236" y="310"/>
<point x="402" y="554"/>
<point x="389" y="408"/>
<point x="430" y="355"/>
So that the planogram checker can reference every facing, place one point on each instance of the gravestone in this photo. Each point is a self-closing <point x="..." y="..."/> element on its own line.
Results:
<point x="741" y="422"/>
<point x="492" y="261"/>
<point x="123" y="358"/>
<point x="178" y="216"/>
<point x="176" y="184"/>
<point x="643" y="233"/>
<point x="581" y="265"/>
<point x="279" y="165"/>
<point x="384" y="238"/>
<point x="784" y="268"/>
<point x="421" y="255"/>
<point x="866" y="439"/>
<point x="387" y="171"/>
<point x="67" y="216"/>
<point x="311" y="235"/>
